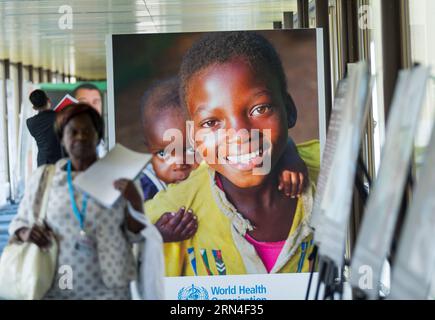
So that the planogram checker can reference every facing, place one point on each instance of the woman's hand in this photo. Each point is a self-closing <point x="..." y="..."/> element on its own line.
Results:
<point x="39" y="235"/>
<point x="130" y="193"/>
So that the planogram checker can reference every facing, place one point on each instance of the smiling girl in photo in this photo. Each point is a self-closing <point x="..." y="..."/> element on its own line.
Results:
<point x="235" y="81"/>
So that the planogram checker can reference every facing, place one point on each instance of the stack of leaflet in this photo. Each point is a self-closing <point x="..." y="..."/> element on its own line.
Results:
<point x="415" y="261"/>
<point x="374" y="240"/>
<point x="332" y="205"/>
<point x="330" y="148"/>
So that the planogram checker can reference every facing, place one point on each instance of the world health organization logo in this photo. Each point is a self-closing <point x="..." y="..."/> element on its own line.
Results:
<point x="193" y="293"/>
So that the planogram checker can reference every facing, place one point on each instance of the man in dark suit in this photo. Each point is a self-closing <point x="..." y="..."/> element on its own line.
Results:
<point x="41" y="127"/>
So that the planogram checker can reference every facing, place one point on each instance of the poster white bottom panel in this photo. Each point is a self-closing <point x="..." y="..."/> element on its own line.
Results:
<point x="292" y="286"/>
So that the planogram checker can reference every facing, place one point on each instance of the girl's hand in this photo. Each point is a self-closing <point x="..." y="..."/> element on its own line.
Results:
<point x="130" y="193"/>
<point x="293" y="176"/>
<point x="292" y="183"/>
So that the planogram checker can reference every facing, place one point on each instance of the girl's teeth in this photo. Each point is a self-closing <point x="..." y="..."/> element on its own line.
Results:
<point x="244" y="158"/>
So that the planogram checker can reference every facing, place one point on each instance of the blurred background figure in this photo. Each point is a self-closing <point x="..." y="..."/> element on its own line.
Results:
<point x="90" y="94"/>
<point x="93" y="240"/>
<point x="41" y="127"/>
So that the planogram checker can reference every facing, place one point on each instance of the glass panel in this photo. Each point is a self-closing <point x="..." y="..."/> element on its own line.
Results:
<point x="374" y="22"/>
<point x="4" y="183"/>
<point x="422" y="27"/>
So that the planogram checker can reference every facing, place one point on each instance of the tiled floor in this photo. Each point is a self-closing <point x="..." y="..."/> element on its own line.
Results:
<point x="6" y="214"/>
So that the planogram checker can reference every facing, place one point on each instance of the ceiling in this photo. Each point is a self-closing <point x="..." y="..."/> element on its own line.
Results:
<point x="37" y="32"/>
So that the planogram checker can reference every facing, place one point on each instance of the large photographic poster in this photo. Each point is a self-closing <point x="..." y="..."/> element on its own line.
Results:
<point x="141" y="59"/>
<point x="136" y="61"/>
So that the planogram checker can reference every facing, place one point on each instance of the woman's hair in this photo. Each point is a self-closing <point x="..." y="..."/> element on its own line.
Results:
<point x="38" y="98"/>
<point x="221" y="47"/>
<point x="74" y="110"/>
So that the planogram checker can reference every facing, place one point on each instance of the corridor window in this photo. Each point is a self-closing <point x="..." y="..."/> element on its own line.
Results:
<point x="422" y="27"/>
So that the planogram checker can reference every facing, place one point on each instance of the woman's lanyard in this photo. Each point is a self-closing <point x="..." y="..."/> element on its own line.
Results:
<point x="80" y="215"/>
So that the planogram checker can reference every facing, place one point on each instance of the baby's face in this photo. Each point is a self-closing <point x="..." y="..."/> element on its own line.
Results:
<point x="232" y="96"/>
<point x="170" y="168"/>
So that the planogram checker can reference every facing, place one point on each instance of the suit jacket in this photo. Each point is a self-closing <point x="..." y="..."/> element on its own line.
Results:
<point x="41" y="127"/>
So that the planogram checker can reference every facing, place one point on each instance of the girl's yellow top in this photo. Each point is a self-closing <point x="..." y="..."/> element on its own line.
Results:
<point x="219" y="246"/>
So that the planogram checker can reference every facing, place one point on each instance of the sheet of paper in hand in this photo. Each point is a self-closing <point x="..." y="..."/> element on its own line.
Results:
<point x="98" y="179"/>
<point x="66" y="101"/>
